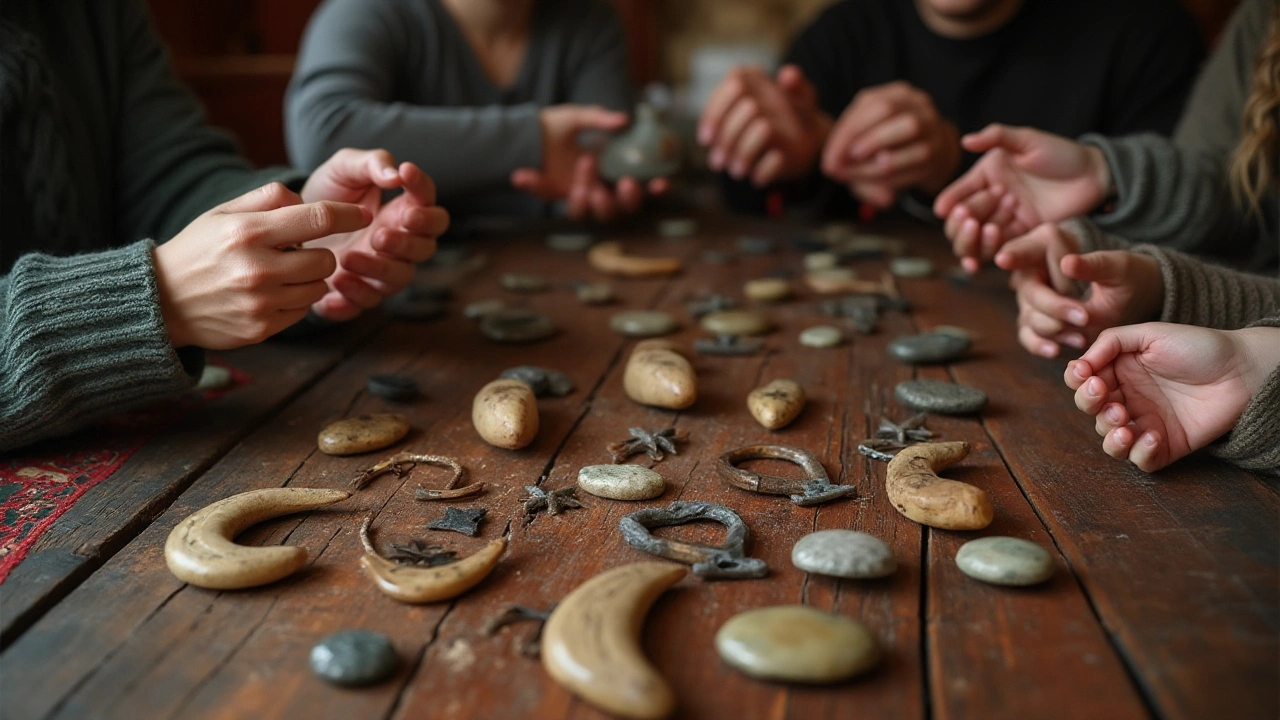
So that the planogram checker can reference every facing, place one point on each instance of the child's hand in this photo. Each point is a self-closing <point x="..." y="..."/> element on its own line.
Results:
<point x="1026" y="177"/>
<point x="378" y="261"/>
<point x="1160" y="391"/>
<point x="568" y="172"/>
<point x="1125" y="288"/>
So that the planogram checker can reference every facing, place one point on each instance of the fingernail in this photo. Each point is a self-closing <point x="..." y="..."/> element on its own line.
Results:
<point x="1074" y="340"/>
<point x="389" y="173"/>
<point x="704" y="135"/>
<point x="1113" y="414"/>
<point x="1148" y="439"/>
<point x="1078" y="369"/>
<point x="1091" y="390"/>
<point x="715" y="160"/>
<point x="1077" y="317"/>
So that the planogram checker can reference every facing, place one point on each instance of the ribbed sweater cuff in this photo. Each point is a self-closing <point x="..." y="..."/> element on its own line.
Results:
<point x="84" y="338"/>
<point x="1254" y="443"/>
<point x="1200" y="293"/>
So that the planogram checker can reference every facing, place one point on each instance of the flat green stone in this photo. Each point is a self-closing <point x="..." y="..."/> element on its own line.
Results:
<point x="797" y="643"/>
<point x="940" y="397"/>
<point x="911" y="267"/>
<point x="518" y="282"/>
<point x="570" y="242"/>
<point x="517" y="326"/>
<point x="643" y="323"/>
<point x="354" y="657"/>
<point x="594" y="293"/>
<point x="1005" y="561"/>
<point x="843" y="553"/>
<point x="820" y="261"/>
<point x="821" y="336"/>
<point x="932" y="347"/>
<point x="621" y="482"/>
<point x="678" y="227"/>
<point x="480" y="308"/>
<point x="736" y="322"/>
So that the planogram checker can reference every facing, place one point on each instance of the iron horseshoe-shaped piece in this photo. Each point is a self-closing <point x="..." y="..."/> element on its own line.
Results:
<point x="711" y="562"/>
<point x="814" y="488"/>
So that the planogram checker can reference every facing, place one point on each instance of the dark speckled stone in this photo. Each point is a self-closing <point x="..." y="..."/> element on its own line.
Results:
<point x="396" y="388"/>
<point x="940" y="397"/>
<point x="354" y="657"/>
<point x="517" y="326"/>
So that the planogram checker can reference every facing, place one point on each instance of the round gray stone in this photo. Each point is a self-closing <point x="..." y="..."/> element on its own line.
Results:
<point x="929" y="347"/>
<point x="736" y="322"/>
<point x="594" y="293"/>
<point x="518" y="282"/>
<point x="396" y="388"/>
<point x="517" y="326"/>
<point x="821" y="336"/>
<point x="678" y="227"/>
<point x="797" y="643"/>
<point x="621" y="482"/>
<point x="354" y="657"/>
<point x="643" y="323"/>
<point x="1005" y="561"/>
<point x="755" y="245"/>
<point x="843" y="553"/>
<point x="531" y="375"/>
<point x="558" y="384"/>
<point x="407" y="305"/>
<point x="480" y="308"/>
<point x="911" y="267"/>
<point x="213" y="377"/>
<point x="570" y="242"/>
<point x="940" y="397"/>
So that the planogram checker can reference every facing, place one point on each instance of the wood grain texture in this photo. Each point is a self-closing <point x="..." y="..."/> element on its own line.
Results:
<point x="1113" y="634"/>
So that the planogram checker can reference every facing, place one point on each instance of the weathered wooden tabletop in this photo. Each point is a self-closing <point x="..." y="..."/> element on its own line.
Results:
<point x="1166" y="601"/>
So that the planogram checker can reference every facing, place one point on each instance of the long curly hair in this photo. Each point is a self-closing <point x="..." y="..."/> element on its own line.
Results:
<point x="1255" y="165"/>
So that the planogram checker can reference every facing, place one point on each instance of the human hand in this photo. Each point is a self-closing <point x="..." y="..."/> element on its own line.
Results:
<point x="232" y="277"/>
<point x="1026" y="177"/>
<point x="1125" y="288"/>
<point x="571" y="173"/>
<point x="379" y="260"/>
<point x="1160" y="391"/>
<point x="761" y="129"/>
<point x="890" y="138"/>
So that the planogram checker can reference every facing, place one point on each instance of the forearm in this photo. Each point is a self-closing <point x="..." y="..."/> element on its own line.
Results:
<point x="1254" y="442"/>
<point x="1167" y="195"/>
<point x="81" y="338"/>
<point x="1200" y="293"/>
<point x="465" y="150"/>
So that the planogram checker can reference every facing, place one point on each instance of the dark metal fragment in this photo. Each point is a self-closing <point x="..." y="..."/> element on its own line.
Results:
<point x="654" y="444"/>
<point x="711" y="562"/>
<point x="554" y="502"/>
<point x="464" y="520"/>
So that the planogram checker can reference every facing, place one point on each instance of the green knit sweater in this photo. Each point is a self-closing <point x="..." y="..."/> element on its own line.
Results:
<point x="1175" y="193"/>
<point x="102" y="154"/>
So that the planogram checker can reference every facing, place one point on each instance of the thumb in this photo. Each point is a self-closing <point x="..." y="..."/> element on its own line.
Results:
<point x="1013" y="139"/>
<point x="1105" y="267"/>
<point x="1024" y="253"/>
<point x="271" y="196"/>
<point x="1116" y="341"/>
<point x="594" y="117"/>
<point x="530" y="180"/>
<point x="796" y="86"/>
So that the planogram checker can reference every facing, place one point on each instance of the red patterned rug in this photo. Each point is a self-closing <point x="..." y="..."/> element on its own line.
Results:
<point x="36" y="489"/>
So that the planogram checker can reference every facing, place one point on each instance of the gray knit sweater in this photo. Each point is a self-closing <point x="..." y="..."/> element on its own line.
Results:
<point x="102" y="154"/>
<point x="399" y="74"/>
<point x="1175" y="193"/>
<point x="1200" y="293"/>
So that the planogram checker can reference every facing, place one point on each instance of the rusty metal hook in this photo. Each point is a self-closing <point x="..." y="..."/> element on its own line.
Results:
<point x="712" y="562"/>
<point x="814" y="488"/>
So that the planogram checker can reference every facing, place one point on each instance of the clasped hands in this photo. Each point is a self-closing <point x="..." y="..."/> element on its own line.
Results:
<point x="768" y="130"/>
<point x="257" y="264"/>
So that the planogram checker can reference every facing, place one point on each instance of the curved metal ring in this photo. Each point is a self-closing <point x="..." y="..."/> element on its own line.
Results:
<point x="726" y="561"/>
<point x="814" y="488"/>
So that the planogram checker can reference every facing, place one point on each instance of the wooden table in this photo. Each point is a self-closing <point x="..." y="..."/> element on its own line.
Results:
<point x="1166" y="601"/>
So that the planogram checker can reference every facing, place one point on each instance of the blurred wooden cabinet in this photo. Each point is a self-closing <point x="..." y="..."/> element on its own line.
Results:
<point x="238" y="56"/>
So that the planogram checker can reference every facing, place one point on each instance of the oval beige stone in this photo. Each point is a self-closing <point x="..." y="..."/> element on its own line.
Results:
<point x="767" y="289"/>
<point x="797" y="643"/>
<point x="363" y="433"/>
<point x="659" y="376"/>
<point x="736" y="322"/>
<point x="621" y="482"/>
<point x="505" y="413"/>
<point x="775" y="405"/>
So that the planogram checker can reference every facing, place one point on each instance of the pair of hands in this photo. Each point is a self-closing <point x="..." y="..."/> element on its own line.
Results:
<point x="768" y="130"/>
<point x="569" y="172"/>
<point x="1159" y="391"/>
<point x="255" y="265"/>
